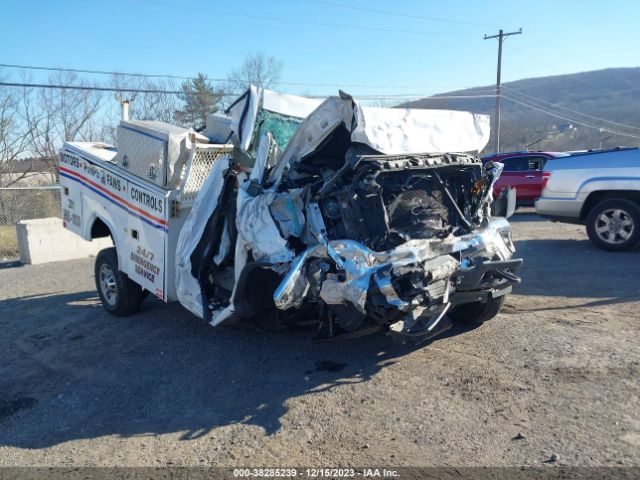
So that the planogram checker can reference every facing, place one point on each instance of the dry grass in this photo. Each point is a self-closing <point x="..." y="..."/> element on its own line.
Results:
<point x="8" y="242"/>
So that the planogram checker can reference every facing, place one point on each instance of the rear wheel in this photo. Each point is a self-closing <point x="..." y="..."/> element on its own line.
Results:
<point x="120" y="296"/>
<point x="475" y="313"/>
<point x="614" y="224"/>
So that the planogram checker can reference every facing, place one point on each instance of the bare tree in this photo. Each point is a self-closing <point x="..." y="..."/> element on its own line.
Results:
<point x="157" y="106"/>
<point x="151" y="104"/>
<point x="52" y="116"/>
<point x="13" y="142"/>
<point x="39" y="116"/>
<point x="259" y="69"/>
<point x="75" y="109"/>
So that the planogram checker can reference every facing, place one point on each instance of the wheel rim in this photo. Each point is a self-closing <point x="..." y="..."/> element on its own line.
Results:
<point x="614" y="226"/>
<point x="108" y="284"/>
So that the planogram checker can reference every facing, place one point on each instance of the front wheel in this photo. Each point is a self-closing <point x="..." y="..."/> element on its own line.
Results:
<point x="120" y="296"/>
<point x="475" y="313"/>
<point x="614" y="224"/>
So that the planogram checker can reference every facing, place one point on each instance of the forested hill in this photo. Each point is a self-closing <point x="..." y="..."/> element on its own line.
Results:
<point x="555" y="109"/>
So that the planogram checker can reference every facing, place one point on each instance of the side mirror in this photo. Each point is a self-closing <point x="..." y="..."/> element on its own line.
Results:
<point x="505" y="204"/>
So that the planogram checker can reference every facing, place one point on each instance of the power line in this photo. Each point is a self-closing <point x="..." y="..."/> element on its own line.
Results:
<point x="94" y="88"/>
<point x="292" y="20"/>
<point x="578" y="80"/>
<point x="582" y="60"/>
<point x="569" y="119"/>
<point x="560" y="107"/>
<point x="405" y="96"/>
<point x="554" y="67"/>
<point x="447" y="97"/>
<point x="181" y="77"/>
<point x="96" y="72"/>
<point x="415" y="96"/>
<point x="397" y="14"/>
<point x="568" y="54"/>
<point x="227" y="94"/>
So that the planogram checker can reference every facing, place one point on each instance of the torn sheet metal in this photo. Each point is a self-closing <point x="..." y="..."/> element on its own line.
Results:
<point x="187" y="286"/>
<point x="225" y="244"/>
<point x="359" y="264"/>
<point x="265" y="219"/>
<point x="402" y="130"/>
<point x="390" y="131"/>
<point x="369" y="218"/>
<point x="258" y="228"/>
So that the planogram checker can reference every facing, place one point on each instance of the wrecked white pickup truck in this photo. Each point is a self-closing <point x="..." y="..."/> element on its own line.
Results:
<point x="356" y="218"/>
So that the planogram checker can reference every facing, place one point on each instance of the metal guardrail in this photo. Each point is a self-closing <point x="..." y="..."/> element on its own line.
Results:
<point x="24" y="204"/>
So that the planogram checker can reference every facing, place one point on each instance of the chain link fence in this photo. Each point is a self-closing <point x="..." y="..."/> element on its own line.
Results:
<point x="24" y="204"/>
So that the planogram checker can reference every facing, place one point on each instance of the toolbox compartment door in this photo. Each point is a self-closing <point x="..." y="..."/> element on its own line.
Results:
<point x="143" y="255"/>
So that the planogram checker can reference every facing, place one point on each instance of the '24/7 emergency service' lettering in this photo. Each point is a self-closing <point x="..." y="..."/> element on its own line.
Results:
<point x="144" y="267"/>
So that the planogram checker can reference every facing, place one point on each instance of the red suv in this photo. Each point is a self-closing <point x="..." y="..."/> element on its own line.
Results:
<point x="524" y="172"/>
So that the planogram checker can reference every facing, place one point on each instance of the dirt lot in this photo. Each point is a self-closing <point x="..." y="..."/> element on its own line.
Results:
<point x="560" y="366"/>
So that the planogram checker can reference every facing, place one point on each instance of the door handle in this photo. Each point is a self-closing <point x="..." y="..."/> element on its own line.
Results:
<point x="530" y="176"/>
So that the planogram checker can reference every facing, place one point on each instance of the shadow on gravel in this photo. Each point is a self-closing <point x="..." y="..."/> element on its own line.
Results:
<point x="10" y="264"/>
<point x="527" y="216"/>
<point x="576" y="268"/>
<point x="87" y="374"/>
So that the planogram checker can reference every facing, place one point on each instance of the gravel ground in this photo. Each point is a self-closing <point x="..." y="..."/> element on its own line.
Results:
<point x="555" y="373"/>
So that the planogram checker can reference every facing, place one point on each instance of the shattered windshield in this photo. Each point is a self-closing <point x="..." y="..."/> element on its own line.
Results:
<point x="282" y="127"/>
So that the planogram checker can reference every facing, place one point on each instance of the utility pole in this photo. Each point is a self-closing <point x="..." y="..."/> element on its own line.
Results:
<point x="604" y="140"/>
<point x="500" y="36"/>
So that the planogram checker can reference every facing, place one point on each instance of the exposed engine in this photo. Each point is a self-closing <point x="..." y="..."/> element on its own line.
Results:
<point x="384" y="205"/>
<point x="358" y="240"/>
<point x="413" y="209"/>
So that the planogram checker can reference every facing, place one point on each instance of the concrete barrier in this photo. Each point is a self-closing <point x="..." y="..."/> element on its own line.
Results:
<point x="46" y="240"/>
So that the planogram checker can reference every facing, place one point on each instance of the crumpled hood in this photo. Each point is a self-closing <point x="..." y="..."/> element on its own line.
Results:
<point x="390" y="131"/>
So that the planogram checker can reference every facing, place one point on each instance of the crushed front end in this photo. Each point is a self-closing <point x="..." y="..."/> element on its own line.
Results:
<point x="339" y="223"/>
<point x="421" y="242"/>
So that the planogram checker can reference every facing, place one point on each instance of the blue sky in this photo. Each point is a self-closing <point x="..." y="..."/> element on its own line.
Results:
<point x="419" y="56"/>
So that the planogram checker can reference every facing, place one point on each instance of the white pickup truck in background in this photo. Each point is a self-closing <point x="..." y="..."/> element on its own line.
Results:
<point x="600" y="189"/>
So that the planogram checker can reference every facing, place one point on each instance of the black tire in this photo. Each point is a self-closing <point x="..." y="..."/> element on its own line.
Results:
<point x="120" y="296"/>
<point x="614" y="224"/>
<point x="475" y="313"/>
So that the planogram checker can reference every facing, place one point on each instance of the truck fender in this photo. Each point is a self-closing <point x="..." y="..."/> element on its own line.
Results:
<point x="612" y="183"/>
<point x="115" y="235"/>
